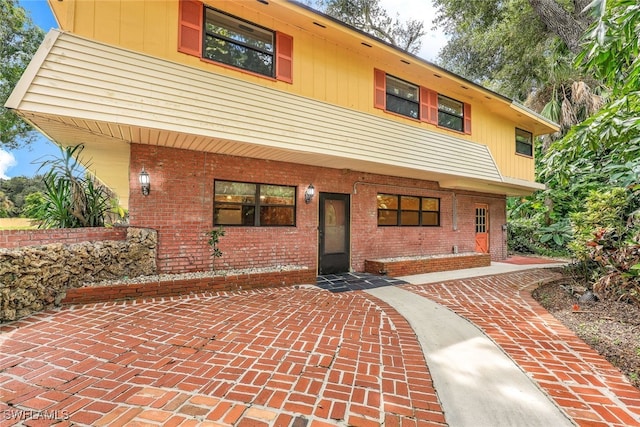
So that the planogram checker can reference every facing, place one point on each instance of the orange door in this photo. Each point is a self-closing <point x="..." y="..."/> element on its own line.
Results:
<point x="482" y="229"/>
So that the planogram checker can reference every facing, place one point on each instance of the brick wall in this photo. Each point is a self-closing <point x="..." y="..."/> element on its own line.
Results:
<point x="116" y="292"/>
<point x="180" y="208"/>
<point x="427" y="264"/>
<point x="11" y="239"/>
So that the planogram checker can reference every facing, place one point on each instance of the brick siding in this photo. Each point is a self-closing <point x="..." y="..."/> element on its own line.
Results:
<point x="427" y="264"/>
<point x="11" y="239"/>
<point x="180" y="208"/>
<point x="93" y="294"/>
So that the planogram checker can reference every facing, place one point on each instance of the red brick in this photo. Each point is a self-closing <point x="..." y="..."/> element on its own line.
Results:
<point x="182" y="246"/>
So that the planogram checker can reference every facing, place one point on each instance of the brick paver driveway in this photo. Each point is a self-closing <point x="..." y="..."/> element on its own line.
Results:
<point x="283" y="357"/>
<point x="271" y="357"/>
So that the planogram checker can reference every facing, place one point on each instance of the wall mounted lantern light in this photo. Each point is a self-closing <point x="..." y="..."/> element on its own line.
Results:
<point x="145" y="182"/>
<point x="309" y="193"/>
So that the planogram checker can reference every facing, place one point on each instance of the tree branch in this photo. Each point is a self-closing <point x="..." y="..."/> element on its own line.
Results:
<point x="569" y="27"/>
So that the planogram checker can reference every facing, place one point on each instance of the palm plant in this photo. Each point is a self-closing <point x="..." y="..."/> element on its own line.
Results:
<point x="568" y="96"/>
<point x="72" y="198"/>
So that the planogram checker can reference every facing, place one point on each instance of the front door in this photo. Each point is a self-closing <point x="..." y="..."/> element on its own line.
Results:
<point x="333" y="234"/>
<point x="482" y="229"/>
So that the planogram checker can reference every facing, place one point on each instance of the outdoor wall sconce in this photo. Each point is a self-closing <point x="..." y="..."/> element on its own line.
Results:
<point x="309" y="193"/>
<point x="145" y="182"/>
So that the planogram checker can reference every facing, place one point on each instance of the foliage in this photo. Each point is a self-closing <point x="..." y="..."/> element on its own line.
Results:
<point x="32" y="203"/>
<point x="214" y="238"/>
<point x="72" y="198"/>
<point x="526" y="235"/>
<point x="6" y="206"/>
<point x="558" y="234"/>
<point x="605" y="213"/>
<point x="520" y="236"/>
<point x="498" y="44"/>
<point x="510" y="46"/>
<point x="608" y="241"/>
<point x="597" y="163"/>
<point x="611" y="137"/>
<point x="370" y="17"/>
<point x="19" y="40"/>
<point x="17" y="189"/>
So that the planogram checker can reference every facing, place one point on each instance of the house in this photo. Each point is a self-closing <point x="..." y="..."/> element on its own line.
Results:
<point x="309" y="141"/>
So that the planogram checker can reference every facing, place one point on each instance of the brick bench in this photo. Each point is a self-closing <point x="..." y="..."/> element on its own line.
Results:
<point x="167" y="288"/>
<point x="406" y="266"/>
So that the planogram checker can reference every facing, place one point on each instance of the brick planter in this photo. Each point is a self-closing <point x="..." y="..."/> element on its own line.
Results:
<point x="165" y="288"/>
<point x="429" y="264"/>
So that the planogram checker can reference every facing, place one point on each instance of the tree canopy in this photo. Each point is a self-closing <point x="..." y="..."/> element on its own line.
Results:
<point x="16" y="190"/>
<point x="608" y="142"/>
<point x="512" y="46"/>
<point x="19" y="40"/>
<point x="370" y="17"/>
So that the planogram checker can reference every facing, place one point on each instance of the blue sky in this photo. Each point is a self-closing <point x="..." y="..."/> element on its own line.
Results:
<point x="26" y="161"/>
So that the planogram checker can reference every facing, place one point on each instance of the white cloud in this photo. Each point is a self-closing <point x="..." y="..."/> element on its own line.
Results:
<point x="7" y="161"/>
<point x="422" y="10"/>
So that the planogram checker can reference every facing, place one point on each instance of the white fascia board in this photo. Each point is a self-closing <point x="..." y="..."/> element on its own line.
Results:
<point x="18" y="93"/>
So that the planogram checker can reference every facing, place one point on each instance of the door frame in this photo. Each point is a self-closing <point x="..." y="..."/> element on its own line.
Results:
<point x="339" y="262"/>
<point x="484" y="235"/>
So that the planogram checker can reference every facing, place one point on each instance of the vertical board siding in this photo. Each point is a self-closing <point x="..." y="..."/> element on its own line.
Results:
<point x="93" y="81"/>
<point x="322" y="70"/>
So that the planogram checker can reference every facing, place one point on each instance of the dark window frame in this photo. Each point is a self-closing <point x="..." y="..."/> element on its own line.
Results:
<point x="447" y="114"/>
<point x="520" y="143"/>
<point x="400" y="210"/>
<point x="256" y="205"/>
<point x="400" y="100"/>
<point x="247" y="26"/>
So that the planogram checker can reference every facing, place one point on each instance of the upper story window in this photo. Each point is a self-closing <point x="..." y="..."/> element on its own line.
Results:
<point x="408" y="210"/>
<point x="250" y="204"/>
<point x="450" y="113"/>
<point x="238" y="43"/>
<point x="213" y="35"/>
<point x="524" y="142"/>
<point x="408" y="99"/>
<point x="403" y="97"/>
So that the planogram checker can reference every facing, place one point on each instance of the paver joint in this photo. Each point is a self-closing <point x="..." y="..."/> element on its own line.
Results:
<point x="283" y="357"/>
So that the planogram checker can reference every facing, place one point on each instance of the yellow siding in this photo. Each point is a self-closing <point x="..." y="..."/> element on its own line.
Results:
<point x="499" y="135"/>
<point x="336" y="71"/>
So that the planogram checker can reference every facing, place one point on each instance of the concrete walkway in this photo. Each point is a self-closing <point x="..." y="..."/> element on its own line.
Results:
<point x="460" y="357"/>
<point x="306" y="357"/>
<point x="493" y="269"/>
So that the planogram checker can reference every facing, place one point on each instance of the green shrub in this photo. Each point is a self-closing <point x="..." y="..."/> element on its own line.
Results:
<point x="520" y="235"/>
<point x="605" y="212"/>
<point x="608" y="242"/>
<point x="72" y="198"/>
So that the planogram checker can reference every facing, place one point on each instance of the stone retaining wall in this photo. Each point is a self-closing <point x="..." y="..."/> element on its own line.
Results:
<point x="430" y="264"/>
<point x="35" y="276"/>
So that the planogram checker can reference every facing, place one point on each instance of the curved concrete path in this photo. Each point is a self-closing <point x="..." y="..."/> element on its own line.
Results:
<point x="477" y="384"/>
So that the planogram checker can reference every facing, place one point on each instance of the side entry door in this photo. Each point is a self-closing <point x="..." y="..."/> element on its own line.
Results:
<point x="482" y="228"/>
<point x="334" y="238"/>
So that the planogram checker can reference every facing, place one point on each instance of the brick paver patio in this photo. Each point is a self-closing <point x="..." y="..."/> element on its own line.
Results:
<point x="298" y="356"/>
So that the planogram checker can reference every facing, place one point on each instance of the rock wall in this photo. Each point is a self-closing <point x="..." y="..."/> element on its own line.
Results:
<point x="33" y="278"/>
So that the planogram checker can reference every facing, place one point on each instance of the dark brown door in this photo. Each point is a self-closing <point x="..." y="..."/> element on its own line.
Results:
<point x="334" y="256"/>
<point x="482" y="229"/>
